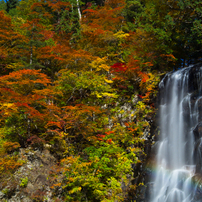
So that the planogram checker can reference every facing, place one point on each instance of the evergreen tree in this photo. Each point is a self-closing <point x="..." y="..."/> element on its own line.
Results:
<point x="2" y="5"/>
<point x="10" y="5"/>
<point x="171" y="27"/>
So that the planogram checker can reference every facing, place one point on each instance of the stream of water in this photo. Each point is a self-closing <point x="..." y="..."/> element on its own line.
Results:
<point x="179" y="115"/>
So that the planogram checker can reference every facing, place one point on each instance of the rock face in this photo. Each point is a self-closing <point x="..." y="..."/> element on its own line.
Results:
<point x="142" y="171"/>
<point x="141" y="185"/>
<point x="33" y="181"/>
<point x="195" y="89"/>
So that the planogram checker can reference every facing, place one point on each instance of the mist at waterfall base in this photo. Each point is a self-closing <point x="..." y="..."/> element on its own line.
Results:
<point x="178" y="176"/>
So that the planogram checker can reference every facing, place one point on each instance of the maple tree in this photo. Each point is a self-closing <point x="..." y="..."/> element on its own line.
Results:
<point x="10" y="41"/>
<point x="99" y="35"/>
<point x="23" y="103"/>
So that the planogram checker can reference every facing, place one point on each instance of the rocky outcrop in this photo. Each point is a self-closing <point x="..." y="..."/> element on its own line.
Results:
<point x="34" y="180"/>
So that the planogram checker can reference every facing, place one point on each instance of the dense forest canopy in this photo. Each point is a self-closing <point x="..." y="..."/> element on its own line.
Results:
<point x="67" y="67"/>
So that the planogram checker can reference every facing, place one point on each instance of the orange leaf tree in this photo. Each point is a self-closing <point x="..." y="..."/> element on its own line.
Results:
<point x="23" y="104"/>
<point x="10" y="41"/>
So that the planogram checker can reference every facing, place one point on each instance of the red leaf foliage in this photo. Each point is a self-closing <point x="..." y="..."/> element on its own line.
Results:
<point x="119" y="67"/>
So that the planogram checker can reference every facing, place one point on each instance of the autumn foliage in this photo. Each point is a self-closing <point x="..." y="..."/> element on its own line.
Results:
<point x="63" y="83"/>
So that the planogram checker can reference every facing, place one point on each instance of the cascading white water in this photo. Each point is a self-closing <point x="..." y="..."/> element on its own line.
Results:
<point x="178" y="115"/>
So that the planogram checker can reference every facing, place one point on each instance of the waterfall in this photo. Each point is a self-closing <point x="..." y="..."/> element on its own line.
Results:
<point x="179" y="149"/>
